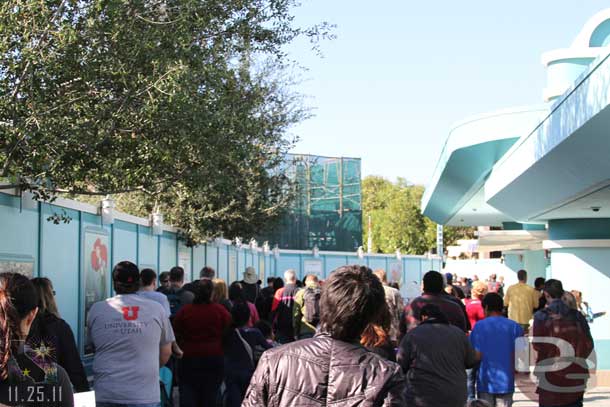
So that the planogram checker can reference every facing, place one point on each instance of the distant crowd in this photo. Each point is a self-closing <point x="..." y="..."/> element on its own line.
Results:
<point x="347" y="341"/>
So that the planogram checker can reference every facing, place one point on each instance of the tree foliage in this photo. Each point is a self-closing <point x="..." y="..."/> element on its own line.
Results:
<point x="183" y="101"/>
<point x="397" y="221"/>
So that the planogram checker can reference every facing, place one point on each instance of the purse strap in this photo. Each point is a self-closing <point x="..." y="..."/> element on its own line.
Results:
<point x="246" y="345"/>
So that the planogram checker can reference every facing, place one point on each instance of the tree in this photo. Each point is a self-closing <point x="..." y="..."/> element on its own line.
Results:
<point x="182" y="101"/>
<point x="397" y="221"/>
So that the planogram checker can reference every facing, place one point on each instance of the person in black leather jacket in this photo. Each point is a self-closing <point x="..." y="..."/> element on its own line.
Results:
<point x="332" y="367"/>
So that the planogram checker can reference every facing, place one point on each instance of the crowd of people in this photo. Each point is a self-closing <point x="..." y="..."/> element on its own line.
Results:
<point x="348" y="340"/>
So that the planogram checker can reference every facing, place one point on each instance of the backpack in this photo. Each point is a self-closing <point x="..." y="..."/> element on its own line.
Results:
<point x="175" y="303"/>
<point x="311" y="303"/>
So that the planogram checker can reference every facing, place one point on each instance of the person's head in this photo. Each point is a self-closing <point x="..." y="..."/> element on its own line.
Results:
<point x="449" y="278"/>
<point x="290" y="276"/>
<point x="240" y="313"/>
<point x="46" y="296"/>
<point x="381" y="275"/>
<point x="18" y="308"/>
<point x="463" y="281"/>
<point x="265" y="328"/>
<point x="479" y="289"/>
<point x="148" y="278"/>
<point x="126" y="278"/>
<point x="164" y="279"/>
<point x="433" y="311"/>
<point x="220" y="293"/>
<point x="553" y="289"/>
<point x="270" y="281"/>
<point x="539" y="283"/>
<point x="522" y="276"/>
<point x="176" y="276"/>
<point x="250" y="276"/>
<point x="203" y="291"/>
<point x="493" y="304"/>
<point x="577" y="296"/>
<point x="493" y="277"/>
<point x="569" y="300"/>
<point x="236" y="292"/>
<point x="395" y="285"/>
<point x="501" y="279"/>
<point x="207" y="273"/>
<point x="311" y="280"/>
<point x="433" y="282"/>
<point x="475" y="278"/>
<point x="278" y="283"/>
<point x="352" y="298"/>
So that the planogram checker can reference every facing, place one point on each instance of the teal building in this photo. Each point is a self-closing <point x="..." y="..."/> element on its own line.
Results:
<point x="539" y="177"/>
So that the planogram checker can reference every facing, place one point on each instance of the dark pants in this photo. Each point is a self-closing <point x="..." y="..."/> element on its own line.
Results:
<point x="200" y="380"/>
<point x="575" y="404"/>
<point x="236" y="384"/>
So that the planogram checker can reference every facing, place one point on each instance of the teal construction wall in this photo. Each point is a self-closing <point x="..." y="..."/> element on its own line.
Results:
<point x="56" y="252"/>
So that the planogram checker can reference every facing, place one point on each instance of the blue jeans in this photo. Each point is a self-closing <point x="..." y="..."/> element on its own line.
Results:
<point x="101" y="404"/>
<point x="497" y="400"/>
<point x="471" y="382"/>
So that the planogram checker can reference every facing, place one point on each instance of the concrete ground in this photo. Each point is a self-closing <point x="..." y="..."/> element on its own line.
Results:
<point x="597" y="397"/>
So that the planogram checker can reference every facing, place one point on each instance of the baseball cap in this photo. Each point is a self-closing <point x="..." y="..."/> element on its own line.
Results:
<point x="126" y="273"/>
<point x="449" y="278"/>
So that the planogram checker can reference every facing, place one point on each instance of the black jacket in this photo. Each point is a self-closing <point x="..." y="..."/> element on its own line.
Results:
<point x="325" y="371"/>
<point x="56" y="332"/>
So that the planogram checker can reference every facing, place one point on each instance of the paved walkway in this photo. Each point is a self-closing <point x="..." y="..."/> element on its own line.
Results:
<point x="598" y="397"/>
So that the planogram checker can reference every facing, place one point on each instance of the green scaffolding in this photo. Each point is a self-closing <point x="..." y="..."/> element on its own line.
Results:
<point x="327" y="210"/>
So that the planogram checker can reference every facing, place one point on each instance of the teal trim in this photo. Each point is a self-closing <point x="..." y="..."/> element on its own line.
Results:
<point x="159" y="253"/>
<point x="602" y="351"/>
<point x="579" y="229"/>
<point x="465" y="169"/>
<point x="111" y="257"/>
<point x="138" y="244"/>
<point x="40" y="234"/>
<point x="81" y="287"/>
<point x="522" y="226"/>
<point x="601" y="35"/>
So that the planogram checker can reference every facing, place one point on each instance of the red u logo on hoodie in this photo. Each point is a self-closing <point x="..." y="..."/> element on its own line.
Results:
<point x="130" y="313"/>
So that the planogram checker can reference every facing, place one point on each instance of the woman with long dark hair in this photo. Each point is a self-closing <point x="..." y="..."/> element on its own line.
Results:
<point x="27" y="375"/>
<point x="51" y="331"/>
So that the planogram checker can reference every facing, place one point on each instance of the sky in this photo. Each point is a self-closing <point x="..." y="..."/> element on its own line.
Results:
<point x="401" y="72"/>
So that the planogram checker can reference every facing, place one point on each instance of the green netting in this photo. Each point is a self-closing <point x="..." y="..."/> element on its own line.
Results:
<point x="327" y="211"/>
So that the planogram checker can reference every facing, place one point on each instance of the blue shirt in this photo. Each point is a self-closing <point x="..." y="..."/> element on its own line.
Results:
<point x="157" y="297"/>
<point x="495" y="338"/>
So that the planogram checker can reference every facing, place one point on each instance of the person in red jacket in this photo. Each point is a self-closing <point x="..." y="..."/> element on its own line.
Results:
<point x="200" y="328"/>
<point x="561" y="384"/>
